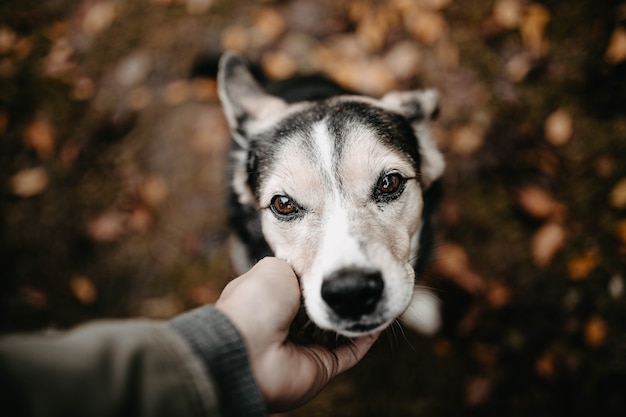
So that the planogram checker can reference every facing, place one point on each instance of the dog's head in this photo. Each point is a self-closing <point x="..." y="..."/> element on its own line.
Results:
<point x="338" y="185"/>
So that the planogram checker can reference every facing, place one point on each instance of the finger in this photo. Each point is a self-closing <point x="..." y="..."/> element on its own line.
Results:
<point x="333" y="362"/>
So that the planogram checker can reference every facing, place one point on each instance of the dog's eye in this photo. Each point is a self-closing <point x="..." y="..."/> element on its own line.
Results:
<point x="389" y="187"/>
<point x="284" y="207"/>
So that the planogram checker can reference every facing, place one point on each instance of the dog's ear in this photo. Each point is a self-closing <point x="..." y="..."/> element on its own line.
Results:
<point x="419" y="107"/>
<point x="243" y="100"/>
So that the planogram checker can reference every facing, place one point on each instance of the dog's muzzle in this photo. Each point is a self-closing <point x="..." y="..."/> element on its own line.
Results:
<point x="353" y="293"/>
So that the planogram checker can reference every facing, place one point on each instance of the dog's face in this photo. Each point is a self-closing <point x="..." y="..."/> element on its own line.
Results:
<point x="338" y="186"/>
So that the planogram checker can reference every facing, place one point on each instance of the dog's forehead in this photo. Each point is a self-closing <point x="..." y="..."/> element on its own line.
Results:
<point x="337" y="146"/>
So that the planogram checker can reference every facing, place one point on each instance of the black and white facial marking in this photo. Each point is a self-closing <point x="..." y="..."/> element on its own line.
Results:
<point x="338" y="187"/>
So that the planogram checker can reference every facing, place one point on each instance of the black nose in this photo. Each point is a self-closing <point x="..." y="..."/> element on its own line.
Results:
<point x="352" y="293"/>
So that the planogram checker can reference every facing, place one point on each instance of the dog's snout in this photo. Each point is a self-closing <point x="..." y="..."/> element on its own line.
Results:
<point x="353" y="293"/>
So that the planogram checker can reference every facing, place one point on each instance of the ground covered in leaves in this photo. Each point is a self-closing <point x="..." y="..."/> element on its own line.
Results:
<point x="113" y="159"/>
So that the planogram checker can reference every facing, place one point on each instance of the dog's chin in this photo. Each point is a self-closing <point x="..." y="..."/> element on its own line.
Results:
<point x="359" y="329"/>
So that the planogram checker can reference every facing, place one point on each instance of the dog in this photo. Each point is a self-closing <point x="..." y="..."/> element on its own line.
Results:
<point x="341" y="186"/>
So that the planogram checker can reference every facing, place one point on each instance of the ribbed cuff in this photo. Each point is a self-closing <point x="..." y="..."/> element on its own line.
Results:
<point x="220" y="346"/>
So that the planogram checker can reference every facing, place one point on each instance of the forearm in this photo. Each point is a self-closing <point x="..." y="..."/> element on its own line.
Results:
<point x="137" y="368"/>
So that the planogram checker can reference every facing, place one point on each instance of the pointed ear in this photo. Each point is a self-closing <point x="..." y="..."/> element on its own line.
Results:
<point x="419" y="107"/>
<point x="243" y="100"/>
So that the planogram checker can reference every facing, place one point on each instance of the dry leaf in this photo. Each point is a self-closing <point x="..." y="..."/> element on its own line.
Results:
<point x="404" y="60"/>
<point x="202" y="294"/>
<point x="537" y="202"/>
<point x="40" y="135"/>
<point x="279" y="65"/>
<point x="581" y="266"/>
<point x="84" y="89"/>
<point x="199" y="6"/>
<point x="269" y="25"/>
<point x="235" y="38"/>
<point x="83" y="289"/>
<point x="546" y="242"/>
<point x="618" y="195"/>
<point x="595" y="331"/>
<point x="29" y="182"/>
<point x="466" y="139"/>
<point x="140" y="220"/>
<point x="498" y="294"/>
<point x="107" y="227"/>
<point x="507" y="13"/>
<point x="7" y="40"/>
<point x="99" y="17"/>
<point x="34" y="298"/>
<point x="177" y="92"/>
<point x="620" y="231"/>
<point x="518" y="67"/>
<point x="616" y="51"/>
<point x="210" y="134"/>
<point x="544" y="366"/>
<point x="533" y="27"/>
<point x="453" y="262"/>
<point x="4" y="121"/>
<point x="154" y="190"/>
<point x="559" y="128"/>
<point x="133" y="69"/>
<point x="139" y="98"/>
<point x="426" y="26"/>
<point x="477" y="390"/>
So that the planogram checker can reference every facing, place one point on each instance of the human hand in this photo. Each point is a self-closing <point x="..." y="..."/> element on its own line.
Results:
<point x="262" y="303"/>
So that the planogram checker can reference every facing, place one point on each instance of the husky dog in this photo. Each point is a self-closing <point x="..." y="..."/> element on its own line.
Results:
<point x="338" y="187"/>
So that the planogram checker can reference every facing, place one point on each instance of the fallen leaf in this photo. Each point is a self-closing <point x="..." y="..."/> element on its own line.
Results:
<point x="546" y="242"/>
<point x="107" y="227"/>
<point x="518" y="67"/>
<point x="269" y="25"/>
<point x="99" y="17"/>
<point x="620" y="231"/>
<point x="618" y="195"/>
<point x="34" y="298"/>
<point x="235" y="38"/>
<point x="404" y="60"/>
<point x="29" y="182"/>
<point x="41" y="136"/>
<point x="616" y="286"/>
<point x="426" y="26"/>
<point x="140" y="220"/>
<point x="202" y="294"/>
<point x="154" y="190"/>
<point x="507" y="13"/>
<point x="4" y="121"/>
<point x="616" y="50"/>
<point x="176" y="92"/>
<point x="581" y="266"/>
<point x="83" y="289"/>
<point x="596" y="331"/>
<point x="477" y="390"/>
<point x="279" y="65"/>
<point x="133" y="69"/>
<point x="544" y="366"/>
<point x="537" y="202"/>
<point x="559" y="127"/>
<point x="453" y="262"/>
<point x="198" y="6"/>
<point x="533" y="28"/>
<point x="498" y="294"/>
<point x="466" y="139"/>
<point x="7" y="39"/>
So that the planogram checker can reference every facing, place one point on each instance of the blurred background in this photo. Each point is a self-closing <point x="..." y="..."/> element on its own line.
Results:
<point x="113" y="163"/>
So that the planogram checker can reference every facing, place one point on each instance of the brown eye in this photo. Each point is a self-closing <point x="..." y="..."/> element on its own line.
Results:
<point x="389" y="187"/>
<point x="390" y="183"/>
<point x="284" y="207"/>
